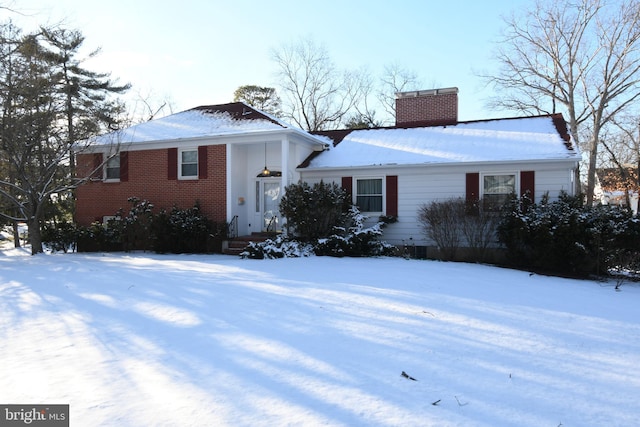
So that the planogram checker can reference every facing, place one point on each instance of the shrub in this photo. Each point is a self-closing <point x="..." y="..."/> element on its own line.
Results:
<point x="135" y="227"/>
<point x="312" y="212"/>
<point x="479" y="226"/>
<point x="176" y="231"/>
<point x="100" y="237"/>
<point x="568" y="238"/>
<point x="355" y="239"/>
<point x="184" y="231"/>
<point x="60" y="237"/>
<point x="441" y="222"/>
<point x="278" y="248"/>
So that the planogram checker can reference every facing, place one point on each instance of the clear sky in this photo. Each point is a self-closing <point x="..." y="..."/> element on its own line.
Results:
<point x="197" y="52"/>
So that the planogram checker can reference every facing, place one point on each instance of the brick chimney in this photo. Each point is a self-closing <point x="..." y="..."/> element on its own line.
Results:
<point x="427" y="107"/>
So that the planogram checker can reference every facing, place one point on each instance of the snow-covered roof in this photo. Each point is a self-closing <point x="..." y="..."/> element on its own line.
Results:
<point x="519" y="139"/>
<point x="205" y="121"/>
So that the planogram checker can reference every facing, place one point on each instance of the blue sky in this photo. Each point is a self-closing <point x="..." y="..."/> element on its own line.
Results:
<point x="198" y="52"/>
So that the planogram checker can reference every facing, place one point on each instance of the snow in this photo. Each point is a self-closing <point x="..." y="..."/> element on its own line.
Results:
<point x="529" y="138"/>
<point x="193" y="340"/>
<point x="188" y="124"/>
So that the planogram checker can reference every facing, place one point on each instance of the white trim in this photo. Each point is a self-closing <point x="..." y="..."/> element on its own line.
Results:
<point x="383" y="189"/>
<point x="189" y="177"/>
<point x="105" y="166"/>
<point x="295" y="136"/>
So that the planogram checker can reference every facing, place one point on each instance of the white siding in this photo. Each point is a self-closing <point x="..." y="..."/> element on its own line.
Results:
<point x="420" y="185"/>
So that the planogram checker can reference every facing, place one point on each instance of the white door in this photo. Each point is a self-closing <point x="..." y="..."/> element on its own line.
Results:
<point x="267" y="201"/>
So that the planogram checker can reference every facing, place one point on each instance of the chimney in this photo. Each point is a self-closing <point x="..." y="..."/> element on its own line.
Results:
<point x="435" y="107"/>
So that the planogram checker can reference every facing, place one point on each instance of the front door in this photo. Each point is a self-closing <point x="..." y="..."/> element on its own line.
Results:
<point x="267" y="201"/>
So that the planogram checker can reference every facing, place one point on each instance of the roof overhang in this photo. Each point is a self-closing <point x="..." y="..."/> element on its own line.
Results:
<point x="240" y="138"/>
<point x="571" y="162"/>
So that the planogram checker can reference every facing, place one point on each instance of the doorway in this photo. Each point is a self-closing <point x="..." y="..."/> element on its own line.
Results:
<point x="268" y="194"/>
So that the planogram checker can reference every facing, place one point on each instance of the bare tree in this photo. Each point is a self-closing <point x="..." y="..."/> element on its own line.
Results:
<point x="582" y="56"/>
<point x="396" y="78"/>
<point x="317" y="94"/>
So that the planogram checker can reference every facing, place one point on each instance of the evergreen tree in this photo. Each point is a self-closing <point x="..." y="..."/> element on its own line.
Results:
<point x="263" y="98"/>
<point x="48" y="102"/>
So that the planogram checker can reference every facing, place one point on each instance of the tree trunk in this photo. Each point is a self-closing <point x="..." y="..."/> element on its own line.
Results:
<point x="16" y="235"/>
<point x="591" y="171"/>
<point x="34" y="235"/>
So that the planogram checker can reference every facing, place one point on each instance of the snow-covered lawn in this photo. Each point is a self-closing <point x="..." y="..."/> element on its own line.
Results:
<point x="151" y="340"/>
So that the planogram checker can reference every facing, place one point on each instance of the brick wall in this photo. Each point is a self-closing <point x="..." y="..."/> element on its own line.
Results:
<point x="148" y="180"/>
<point x="427" y="108"/>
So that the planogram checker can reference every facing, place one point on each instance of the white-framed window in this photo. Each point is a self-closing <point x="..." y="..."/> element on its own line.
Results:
<point x="496" y="189"/>
<point x="369" y="194"/>
<point x="188" y="163"/>
<point x="112" y="169"/>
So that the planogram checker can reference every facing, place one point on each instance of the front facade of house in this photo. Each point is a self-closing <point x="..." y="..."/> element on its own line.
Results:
<point x="217" y="156"/>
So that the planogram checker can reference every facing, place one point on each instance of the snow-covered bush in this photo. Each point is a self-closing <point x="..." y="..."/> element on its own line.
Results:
<point x="568" y="238"/>
<point x="184" y="231"/>
<point x="277" y="248"/>
<point x="312" y="212"/>
<point x="355" y="239"/>
<point x="175" y="231"/>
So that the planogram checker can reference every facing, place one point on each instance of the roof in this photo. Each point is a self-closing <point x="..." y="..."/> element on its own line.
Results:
<point x="203" y="121"/>
<point x="513" y="139"/>
<point x="618" y="179"/>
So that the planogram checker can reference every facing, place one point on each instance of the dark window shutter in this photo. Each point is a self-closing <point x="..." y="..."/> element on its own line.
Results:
<point x="392" y="195"/>
<point x="124" y="166"/>
<point x="472" y="187"/>
<point x="528" y="184"/>
<point x="172" y="163"/>
<point x="347" y="185"/>
<point x="202" y="162"/>
<point x="97" y="166"/>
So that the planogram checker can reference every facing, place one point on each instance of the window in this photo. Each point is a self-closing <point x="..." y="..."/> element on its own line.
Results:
<point x="188" y="164"/>
<point x="369" y="195"/>
<point x="496" y="189"/>
<point x="112" y="169"/>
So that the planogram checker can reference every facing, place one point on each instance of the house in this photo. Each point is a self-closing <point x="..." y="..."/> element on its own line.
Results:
<point x="233" y="160"/>
<point x="236" y="162"/>
<point x="617" y="186"/>
<point x="429" y="156"/>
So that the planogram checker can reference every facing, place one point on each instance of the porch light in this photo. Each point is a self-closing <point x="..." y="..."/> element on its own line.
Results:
<point x="265" y="172"/>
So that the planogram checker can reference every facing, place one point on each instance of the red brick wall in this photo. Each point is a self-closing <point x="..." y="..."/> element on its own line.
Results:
<point x="148" y="180"/>
<point x="427" y="108"/>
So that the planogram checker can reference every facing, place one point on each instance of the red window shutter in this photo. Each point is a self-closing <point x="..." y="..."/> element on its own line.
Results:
<point x="528" y="184"/>
<point x="172" y="163"/>
<point x="473" y="187"/>
<point x="392" y="195"/>
<point x="347" y="185"/>
<point x="124" y="166"/>
<point x="202" y="162"/>
<point x="97" y="166"/>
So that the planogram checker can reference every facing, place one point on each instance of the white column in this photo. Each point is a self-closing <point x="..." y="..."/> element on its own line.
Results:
<point x="284" y="162"/>
<point x="284" y="158"/>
